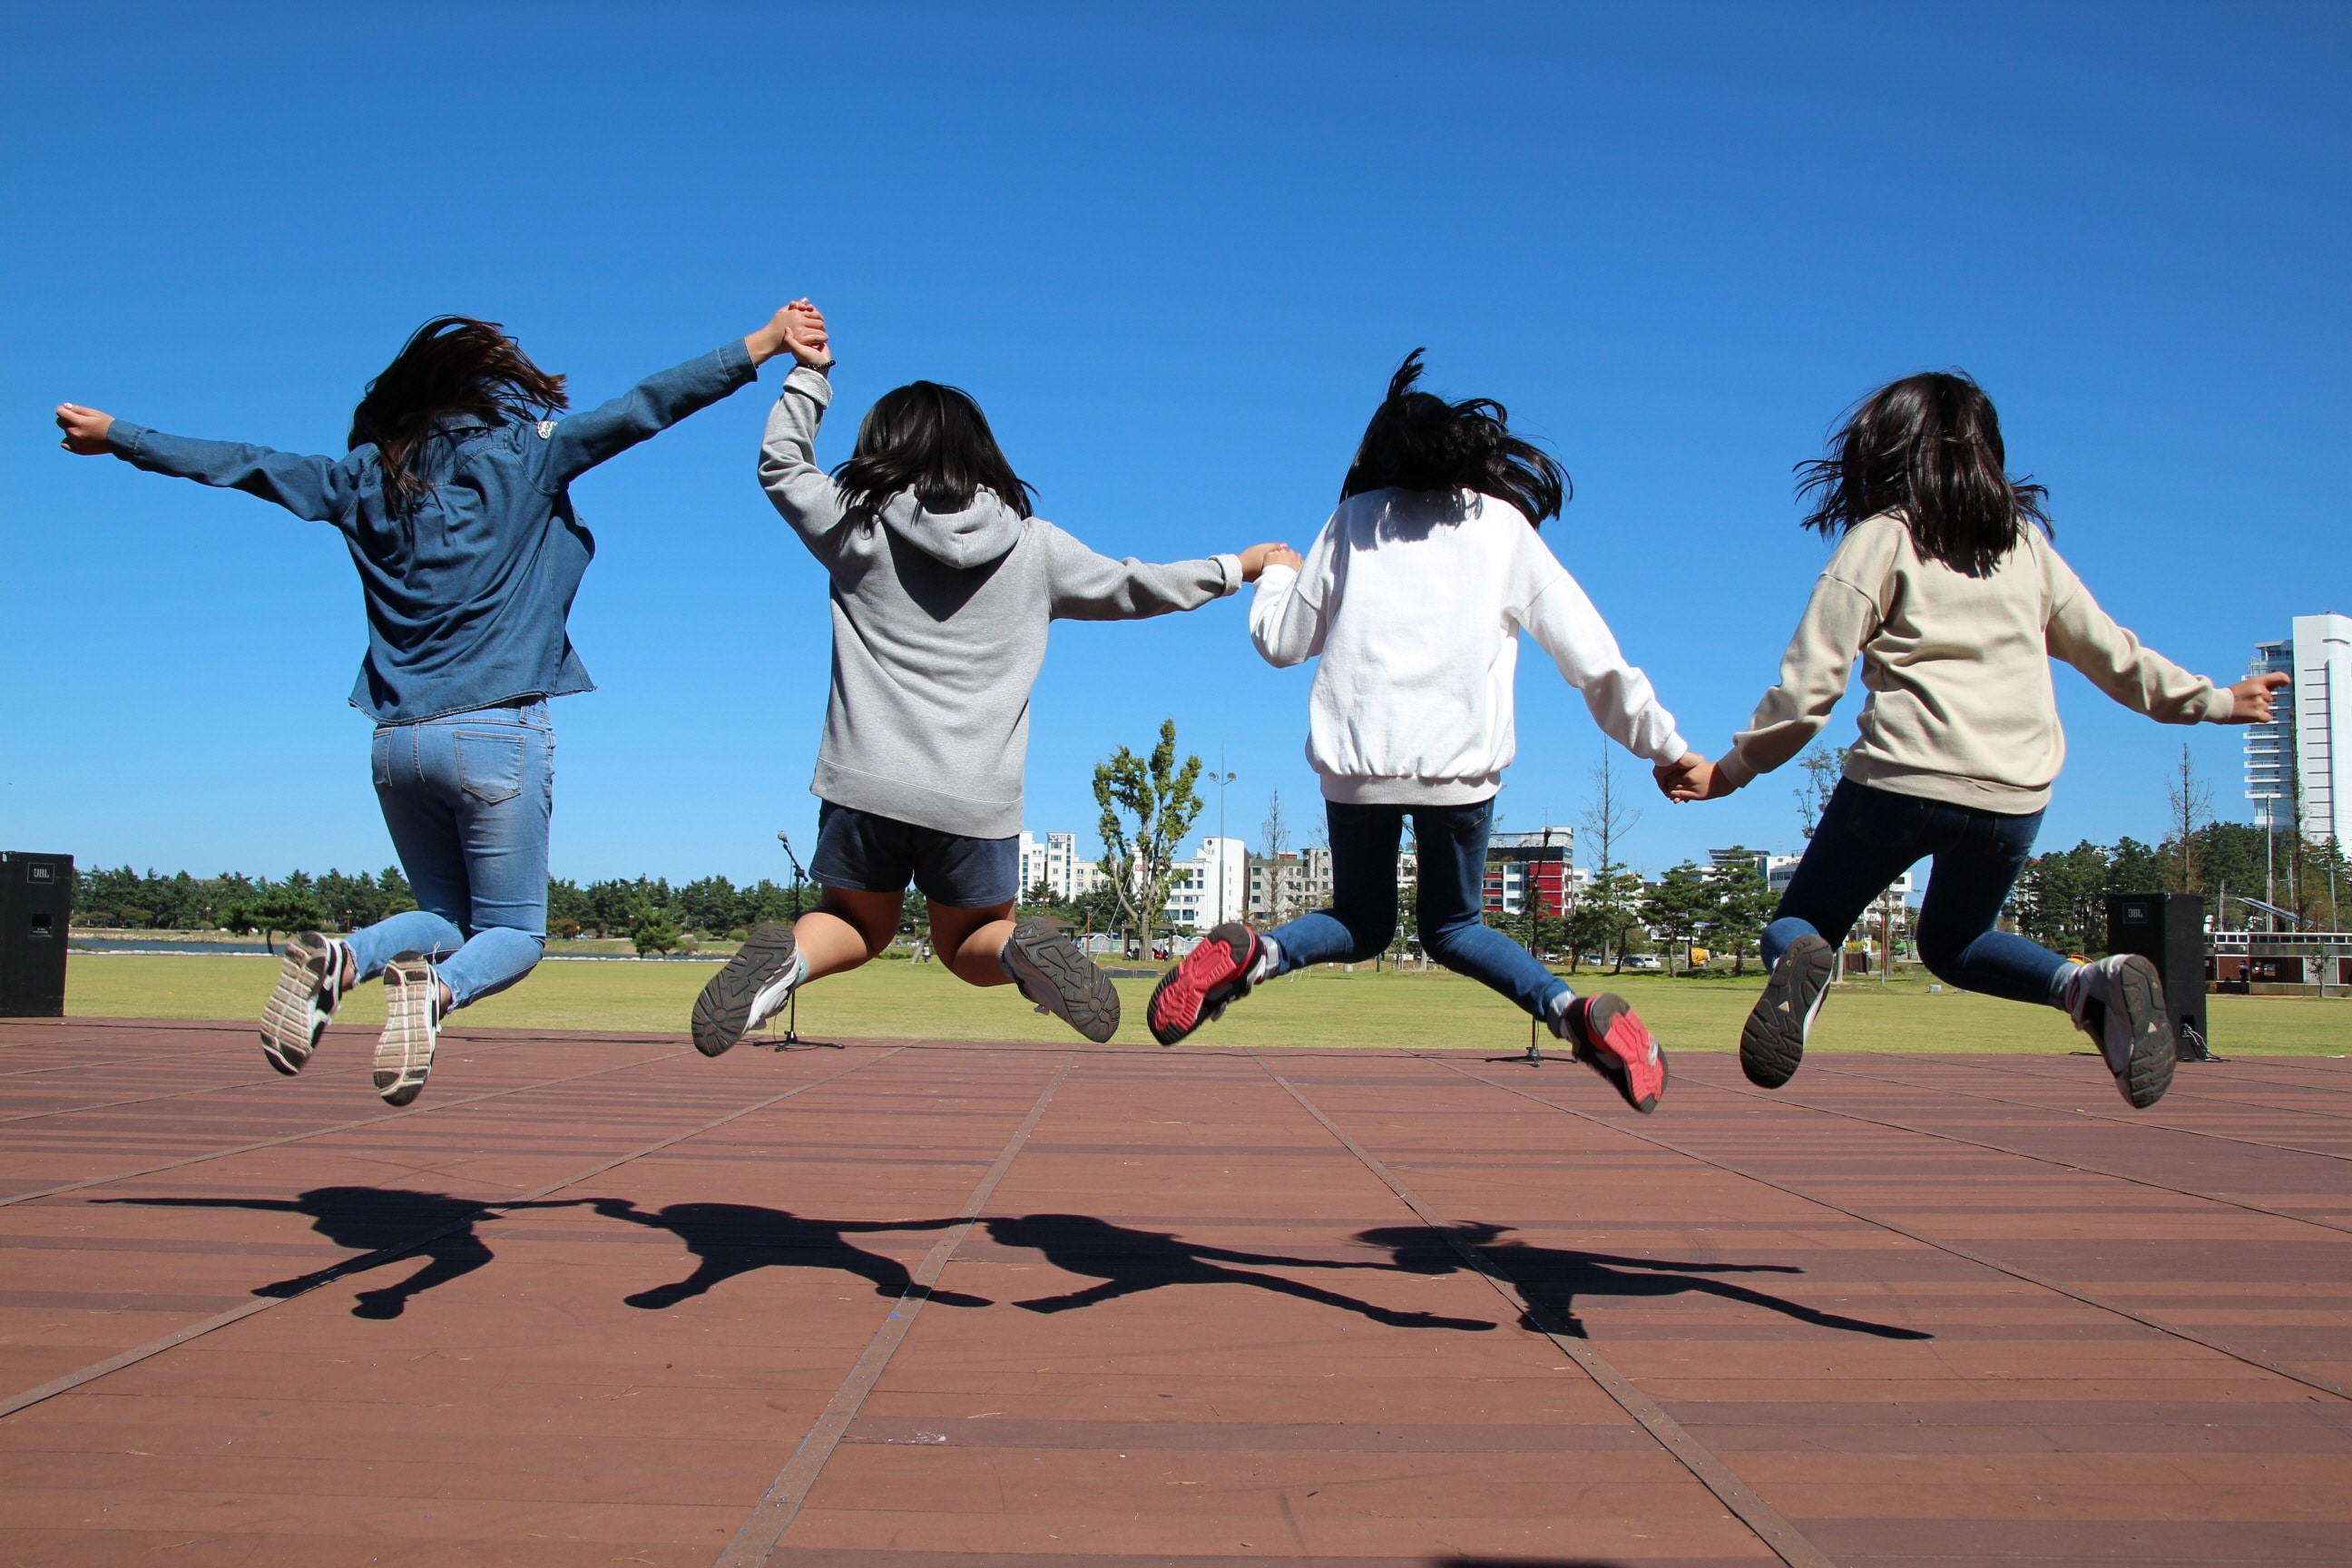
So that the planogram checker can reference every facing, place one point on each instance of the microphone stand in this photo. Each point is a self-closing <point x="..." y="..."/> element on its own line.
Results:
<point x="792" y="1014"/>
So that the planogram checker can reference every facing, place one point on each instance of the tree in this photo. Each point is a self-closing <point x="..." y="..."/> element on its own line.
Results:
<point x="1277" y="835"/>
<point x="2135" y="867"/>
<point x="2061" y="899"/>
<point x="2190" y="801"/>
<point x="286" y="909"/>
<point x="1163" y="804"/>
<point x="1823" y="765"/>
<point x="1616" y="893"/>
<point x="1677" y="906"/>
<point x="1744" y="902"/>
<point x="651" y="928"/>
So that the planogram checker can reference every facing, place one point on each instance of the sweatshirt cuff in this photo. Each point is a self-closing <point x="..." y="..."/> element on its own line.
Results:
<point x="123" y="439"/>
<point x="2219" y="705"/>
<point x="1733" y="767"/>
<point x="1231" y="564"/>
<point x="812" y="383"/>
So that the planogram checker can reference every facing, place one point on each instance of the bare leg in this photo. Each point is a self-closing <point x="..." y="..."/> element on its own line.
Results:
<point x="846" y="929"/>
<point x="968" y="941"/>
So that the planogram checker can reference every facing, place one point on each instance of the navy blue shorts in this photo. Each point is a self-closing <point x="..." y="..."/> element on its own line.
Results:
<point x="868" y="853"/>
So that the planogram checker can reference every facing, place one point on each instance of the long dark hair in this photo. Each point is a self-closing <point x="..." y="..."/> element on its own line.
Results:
<point x="1926" y="446"/>
<point x="451" y="365"/>
<point x="1418" y="441"/>
<point x="933" y="440"/>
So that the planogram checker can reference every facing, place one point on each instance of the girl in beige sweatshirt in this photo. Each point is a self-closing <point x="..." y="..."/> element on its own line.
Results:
<point x="1955" y="602"/>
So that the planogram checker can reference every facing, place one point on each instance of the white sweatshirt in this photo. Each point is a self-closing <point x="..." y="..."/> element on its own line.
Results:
<point x="1416" y="601"/>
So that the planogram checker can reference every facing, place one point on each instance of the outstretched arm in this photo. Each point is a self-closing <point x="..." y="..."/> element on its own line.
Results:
<point x="1560" y="617"/>
<point x="318" y="488"/>
<point x="1090" y="587"/>
<point x="803" y="494"/>
<point x="1813" y="674"/>
<point x="578" y="442"/>
<point x="2139" y="678"/>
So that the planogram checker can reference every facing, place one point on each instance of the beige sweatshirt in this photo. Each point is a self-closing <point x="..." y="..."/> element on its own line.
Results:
<point x="1960" y="705"/>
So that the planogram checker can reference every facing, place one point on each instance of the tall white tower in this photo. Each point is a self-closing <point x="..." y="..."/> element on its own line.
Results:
<point x="2305" y="749"/>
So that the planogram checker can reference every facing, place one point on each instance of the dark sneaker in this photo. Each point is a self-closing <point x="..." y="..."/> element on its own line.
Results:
<point x="1051" y="973"/>
<point x="309" y="988"/>
<point x="412" y="1027"/>
<point x="750" y="991"/>
<point x="2119" y="1002"/>
<point x="1607" y="1035"/>
<point x="1772" y="1041"/>
<point x="1220" y="969"/>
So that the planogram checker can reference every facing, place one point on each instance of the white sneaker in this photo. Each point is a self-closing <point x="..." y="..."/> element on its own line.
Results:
<point x="412" y="1027"/>
<point x="2119" y="1002"/>
<point x="750" y="990"/>
<point x="309" y="988"/>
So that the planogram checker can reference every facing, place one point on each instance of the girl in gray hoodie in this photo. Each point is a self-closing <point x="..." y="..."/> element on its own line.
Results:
<point x="943" y="586"/>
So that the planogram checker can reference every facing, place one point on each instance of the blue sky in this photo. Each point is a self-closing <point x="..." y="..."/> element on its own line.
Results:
<point x="1175" y="254"/>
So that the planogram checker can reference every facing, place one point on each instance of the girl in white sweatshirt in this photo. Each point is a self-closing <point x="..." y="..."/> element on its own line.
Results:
<point x="1415" y="595"/>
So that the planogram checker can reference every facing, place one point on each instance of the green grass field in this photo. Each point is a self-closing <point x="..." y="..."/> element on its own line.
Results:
<point x="1319" y="1007"/>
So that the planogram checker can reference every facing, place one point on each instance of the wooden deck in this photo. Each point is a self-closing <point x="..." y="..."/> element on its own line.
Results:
<point x="597" y="1301"/>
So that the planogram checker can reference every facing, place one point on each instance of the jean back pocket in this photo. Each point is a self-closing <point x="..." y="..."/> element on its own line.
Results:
<point x="489" y="765"/>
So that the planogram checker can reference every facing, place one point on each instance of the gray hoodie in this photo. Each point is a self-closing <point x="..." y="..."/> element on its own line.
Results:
<point x="939" y="628"/>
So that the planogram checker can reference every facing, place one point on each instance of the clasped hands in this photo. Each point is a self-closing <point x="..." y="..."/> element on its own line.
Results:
<point x="1692" y="777"/>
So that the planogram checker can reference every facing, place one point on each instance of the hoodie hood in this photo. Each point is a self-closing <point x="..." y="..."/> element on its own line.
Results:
<point x="975" y="536"/>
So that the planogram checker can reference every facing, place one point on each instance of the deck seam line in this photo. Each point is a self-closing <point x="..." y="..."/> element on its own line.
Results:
<point x="756" y="1540"/>
<point x="2250" y="1358"/>
<point x="245" y="1029"/>
<point x="2088" y="1115"/>
<point x="326" y="1132"/>
<point x="1782" y="1538"/>
<point x="383" y="1255"/>
<point x="2023" y="1154"/>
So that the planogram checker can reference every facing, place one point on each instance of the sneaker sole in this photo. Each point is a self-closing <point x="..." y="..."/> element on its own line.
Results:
<point x="2153" y="1053"/>
<point x="1186" y="998"/>
<point x="1772" y="1041"/>
<point x="722" y="1014"/>
<point x="291" y="1022"/>
<point x="1089" y="1002"/>
<point x="1619" y="1049"/>
<point x="403" y="1052"/>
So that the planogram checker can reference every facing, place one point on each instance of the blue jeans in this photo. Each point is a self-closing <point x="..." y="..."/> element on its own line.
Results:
<point x="1867" y="838"/>
<point x="468" y="798"/>
<point x="1452" y="841"/>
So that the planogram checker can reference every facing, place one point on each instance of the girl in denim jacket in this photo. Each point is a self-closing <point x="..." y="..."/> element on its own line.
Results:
<point x="454" y="501"/>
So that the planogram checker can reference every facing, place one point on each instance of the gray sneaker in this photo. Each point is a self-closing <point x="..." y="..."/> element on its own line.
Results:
<point x="751" y="989"/>
<point x="309" y="988"/>
<point x="2119" y="1002"/>
<point x="1772" y="1041"/>
<point x="412" y="1027"/>
<point x="1051" y="973"/>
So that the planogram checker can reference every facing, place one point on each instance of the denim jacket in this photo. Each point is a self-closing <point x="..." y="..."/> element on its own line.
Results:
<point x="466" y="598"/>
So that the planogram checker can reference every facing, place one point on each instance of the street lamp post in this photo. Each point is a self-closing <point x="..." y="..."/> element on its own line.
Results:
<point x="1220" y="779"/>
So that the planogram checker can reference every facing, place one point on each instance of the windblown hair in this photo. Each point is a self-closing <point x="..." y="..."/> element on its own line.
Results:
<point x="1418" y="441"/>
<point x="933" y="440"/>
<point x="451" y="365"/>
<point x="1928" y="447"/>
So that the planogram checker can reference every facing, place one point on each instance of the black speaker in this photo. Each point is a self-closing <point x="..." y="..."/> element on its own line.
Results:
<point x="2168" y="931"/>
<point x="35" y="907"/>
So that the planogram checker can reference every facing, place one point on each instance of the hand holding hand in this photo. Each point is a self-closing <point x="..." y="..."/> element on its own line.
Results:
<point x="2250" y="700"/>
<point x="85" y="429"/>
<point x="1258" y="557"/>
<point x="805" y="335"/>
<point x="1692" y="778"/>
<point x="798" y="327"/>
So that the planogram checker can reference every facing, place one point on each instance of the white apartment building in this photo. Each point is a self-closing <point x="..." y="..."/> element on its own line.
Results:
<point x="1288" y="885"/>
<point x="1053" y="858"/>
<point x="2307" y="747"/>
<point x="1212" y="887"/>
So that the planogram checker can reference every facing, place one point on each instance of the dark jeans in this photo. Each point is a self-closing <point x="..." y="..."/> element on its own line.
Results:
<point x="1361" y="920"/>
<point x="1867" y="838"/>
